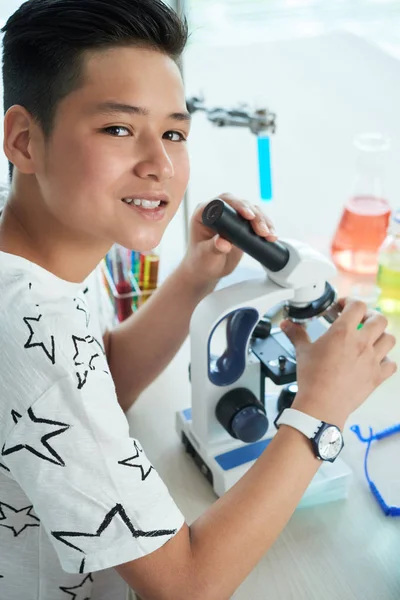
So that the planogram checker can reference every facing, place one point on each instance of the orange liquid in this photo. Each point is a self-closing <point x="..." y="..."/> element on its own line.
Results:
<point x="360" y="233"/>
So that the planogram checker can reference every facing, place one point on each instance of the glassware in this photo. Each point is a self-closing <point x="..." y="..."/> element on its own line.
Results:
<point x="388" y="279"/>
<point x="365" y="218"/>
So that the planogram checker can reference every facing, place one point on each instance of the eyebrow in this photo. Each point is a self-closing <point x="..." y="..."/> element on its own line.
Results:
<point x="117" y="107"/>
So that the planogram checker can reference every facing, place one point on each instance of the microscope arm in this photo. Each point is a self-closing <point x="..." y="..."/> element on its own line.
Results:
<point x="258" y="295"/>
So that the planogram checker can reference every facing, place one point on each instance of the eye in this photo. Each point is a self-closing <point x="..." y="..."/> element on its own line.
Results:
<point x="117" y="131"/>
<point x="174" y="136"/>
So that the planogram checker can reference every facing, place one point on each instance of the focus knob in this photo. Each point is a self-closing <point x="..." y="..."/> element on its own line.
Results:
<point x="287" y="396"/>
<point x="242" y="415"/>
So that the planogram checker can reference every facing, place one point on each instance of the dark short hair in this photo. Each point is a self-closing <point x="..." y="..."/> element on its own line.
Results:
<point x="45" y="42"/>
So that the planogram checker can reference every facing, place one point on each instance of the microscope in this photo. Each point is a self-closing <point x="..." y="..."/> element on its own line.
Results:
<point x="234" y="349"/>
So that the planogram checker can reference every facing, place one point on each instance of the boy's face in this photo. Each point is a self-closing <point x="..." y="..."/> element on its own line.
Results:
<point x="119" y="137"/>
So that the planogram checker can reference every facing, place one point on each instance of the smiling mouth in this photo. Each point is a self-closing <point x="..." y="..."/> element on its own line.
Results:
<point x="144" y="203"/>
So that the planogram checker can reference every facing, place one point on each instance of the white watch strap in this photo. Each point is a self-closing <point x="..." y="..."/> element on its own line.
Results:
<point x="299" y="420"/>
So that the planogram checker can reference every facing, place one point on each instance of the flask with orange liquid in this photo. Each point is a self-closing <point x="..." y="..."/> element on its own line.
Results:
<point x="365" y="218"/>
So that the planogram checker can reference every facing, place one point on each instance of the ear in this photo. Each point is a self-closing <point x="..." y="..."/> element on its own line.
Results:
<point x="20" y="131"/>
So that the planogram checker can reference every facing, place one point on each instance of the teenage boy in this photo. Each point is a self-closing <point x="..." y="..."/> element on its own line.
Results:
<point x="95" y="130"/>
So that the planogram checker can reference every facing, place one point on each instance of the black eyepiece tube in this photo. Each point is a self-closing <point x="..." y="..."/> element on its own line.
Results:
<point x="225" y="221"/>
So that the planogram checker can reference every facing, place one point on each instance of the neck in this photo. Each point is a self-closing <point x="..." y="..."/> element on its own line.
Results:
<point x="28" y="230"/>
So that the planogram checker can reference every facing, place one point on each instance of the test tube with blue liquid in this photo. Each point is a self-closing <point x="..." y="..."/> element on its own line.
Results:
<point x="264" y="164"/>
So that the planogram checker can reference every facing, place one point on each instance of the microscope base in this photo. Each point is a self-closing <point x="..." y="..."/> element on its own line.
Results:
<point x="224" y="464"/>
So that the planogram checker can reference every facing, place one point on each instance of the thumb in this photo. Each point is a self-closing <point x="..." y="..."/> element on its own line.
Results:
<point x="296" y="333"/>
<point x="221" y="245"/>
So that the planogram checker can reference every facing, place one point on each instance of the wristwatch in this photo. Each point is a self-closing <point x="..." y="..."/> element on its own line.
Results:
<point x="326" y="440"/>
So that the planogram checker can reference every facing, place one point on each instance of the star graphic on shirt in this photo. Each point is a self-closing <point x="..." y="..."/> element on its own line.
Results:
<point x="85" y="355"/>
<point x="17" y="520"/>
<point x="82" y="307"/>
<point x="101" y="347"/>
<point x="106" y="535"/>
<point x="47" y="344"/>
<point x="82" y="591"/>
<point x="38" y="434"/>
<point x="15" y="416"/>
<point x="144" y="466"/>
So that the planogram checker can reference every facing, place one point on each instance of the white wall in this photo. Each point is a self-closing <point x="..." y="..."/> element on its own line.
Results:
<point x="325" y="90"/>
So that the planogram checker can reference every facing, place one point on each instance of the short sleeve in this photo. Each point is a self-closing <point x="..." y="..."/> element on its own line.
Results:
<point x="96" y="494"/>
<point x="100" y="301"/>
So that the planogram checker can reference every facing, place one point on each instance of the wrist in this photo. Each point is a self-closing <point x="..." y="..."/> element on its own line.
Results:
<point x="192" y="281"/>
<point x="199" y="287"/>
<point x="323" y="411"/>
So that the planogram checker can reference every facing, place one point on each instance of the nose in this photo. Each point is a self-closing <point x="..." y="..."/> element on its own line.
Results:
<point x="155" y="162"/>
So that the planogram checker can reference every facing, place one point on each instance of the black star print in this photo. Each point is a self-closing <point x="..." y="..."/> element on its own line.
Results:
<point x="37" y="440"/>
<point x="81" y="306"/>
<point x="17" y="520"/>
<point x="105" y="535"/>
<point x="15" y="416"/>
<point x="4" y="467"/>
<point x="100" y="345"/>
<point x="84" y="357"/>
<point x="144" y="467"/>
<point x="83" y="591"/>
<point x="50" y="352"/>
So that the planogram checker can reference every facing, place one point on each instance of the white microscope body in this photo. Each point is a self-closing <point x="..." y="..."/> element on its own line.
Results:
<point x="223" y="459"/>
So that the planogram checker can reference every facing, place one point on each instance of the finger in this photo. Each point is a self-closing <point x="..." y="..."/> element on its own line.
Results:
<point x="374" y="325"/>
<point x="388" y="368"/>
<point x="241" y="206"/>
<point x="222" y="245"/>
<point x="263" y="225"/>
<point x="353" y="313"/>
<point x="342" y="302"/>
<point x="296" y="334"/>
<point x="384" y="344"/>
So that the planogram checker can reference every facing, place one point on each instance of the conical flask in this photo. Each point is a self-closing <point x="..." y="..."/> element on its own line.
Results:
<point x="365" y="217"/>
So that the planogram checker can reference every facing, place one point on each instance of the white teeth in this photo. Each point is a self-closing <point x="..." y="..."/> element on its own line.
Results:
<point x="149" y="204"/>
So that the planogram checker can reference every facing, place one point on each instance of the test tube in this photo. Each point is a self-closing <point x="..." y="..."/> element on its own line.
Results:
<point x="122" y="285"/>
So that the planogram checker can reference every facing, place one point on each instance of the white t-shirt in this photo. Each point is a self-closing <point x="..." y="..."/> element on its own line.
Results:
<point x="77" y="494"/>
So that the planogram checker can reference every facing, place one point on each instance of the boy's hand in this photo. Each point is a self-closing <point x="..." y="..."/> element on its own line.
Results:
<point x="210" y="257"/>
<point x="338" y="372"/>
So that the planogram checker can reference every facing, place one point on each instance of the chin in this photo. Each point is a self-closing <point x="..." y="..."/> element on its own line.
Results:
<point x="140" y="243"/>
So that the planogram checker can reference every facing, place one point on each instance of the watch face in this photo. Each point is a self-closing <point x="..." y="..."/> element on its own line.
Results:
<point x="330" y="443"/>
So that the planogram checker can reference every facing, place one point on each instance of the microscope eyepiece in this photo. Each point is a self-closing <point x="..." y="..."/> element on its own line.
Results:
<point x="213" y="212"/>
<point x="225" y="221"/>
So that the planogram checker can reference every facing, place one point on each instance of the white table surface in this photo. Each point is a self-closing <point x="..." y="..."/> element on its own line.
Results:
<point x="346" y="550"/>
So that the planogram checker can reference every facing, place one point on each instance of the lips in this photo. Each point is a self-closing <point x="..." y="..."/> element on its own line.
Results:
<point x="151" y="197"/>
<point x="151" y="211"/>
<point x="146" y="204"/>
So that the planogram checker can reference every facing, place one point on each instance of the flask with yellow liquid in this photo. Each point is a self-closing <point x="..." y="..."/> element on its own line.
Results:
<point x="388" y="279"/>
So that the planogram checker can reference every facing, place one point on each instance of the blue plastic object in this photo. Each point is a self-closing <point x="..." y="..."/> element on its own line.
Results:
<point x="231" y="364"/>
<point x="250" y="424"/>
<point x="389" y="511"/>
<point x="264" y="162"/>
